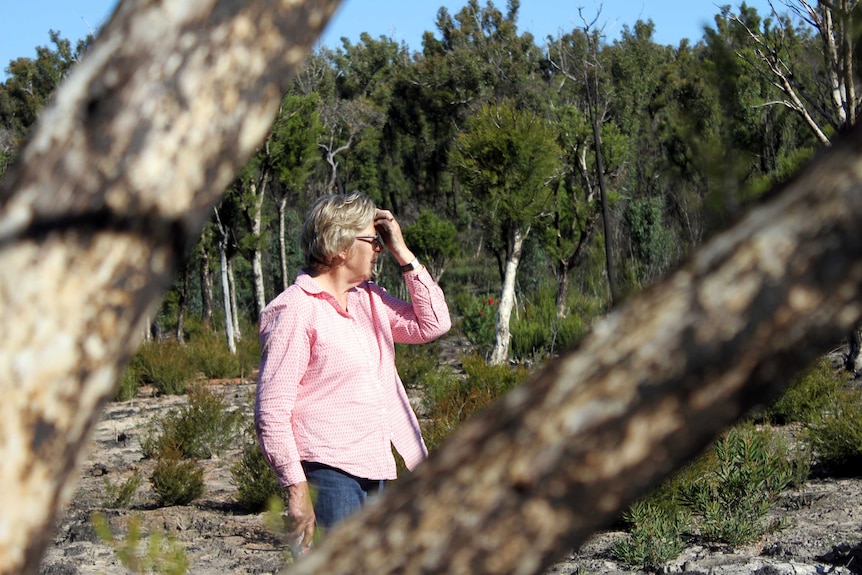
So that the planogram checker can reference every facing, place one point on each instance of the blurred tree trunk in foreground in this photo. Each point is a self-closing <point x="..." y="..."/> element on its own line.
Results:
<point x="124" y="167"/>
<point x="108" y="196"/>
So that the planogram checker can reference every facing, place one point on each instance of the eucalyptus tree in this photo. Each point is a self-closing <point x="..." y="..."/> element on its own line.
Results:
<point x="30" y="85"/>
<point x="582" y="95"/>
<point x="476" y="56"/>
<point x="507" y="159"/>
<point x="293" y="145"/>
<point x="822" y="90"/>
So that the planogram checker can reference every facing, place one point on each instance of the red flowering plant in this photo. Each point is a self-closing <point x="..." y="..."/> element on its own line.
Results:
<point x="479" y="319"/>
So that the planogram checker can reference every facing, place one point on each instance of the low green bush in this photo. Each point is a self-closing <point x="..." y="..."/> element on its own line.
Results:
<point x="538" y="332"/>
<point x="730" y="502"/>
<point x="478" y="319"/>
<point x="835" y="434"/>
<point x="165" y="365"/>
<point x="415" y="362"/>
<point x="204" y="427"/>
<point x="656" y="536"/>
<point x="130" y="383"/>
<point x="254" y="478"/>
<point x="807" y="397"/>
<point x="119" y="495"/>
<point x="161" y="554"/>
<point x="451" y="398"/>
<point x="177" y="481"/>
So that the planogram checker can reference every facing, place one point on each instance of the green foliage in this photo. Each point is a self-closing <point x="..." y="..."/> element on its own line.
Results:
<point x="807" y="397"/>
<point x="478" y="319"/>
<point x="255" y="480"/>
<point x="157" y="553"/>
<point x="835" y="434"/>
<point x="415" y="362"/>
<point x="653" y="243"/>
<point x="165" y="366"/>
<point x="505" y="159"/>
<point x="119" y="495"/>
<point x="204" y="427"/>
<point x="433" y="240"/>
<point x="450" y="398"/>
<point x="130" y="383"/>
<point x="176" y="481"/>
<point x="537" y="332"/>
<point x="730" y="502"/>
<point x="656" y="536"/>
<point x="171" y="367"/>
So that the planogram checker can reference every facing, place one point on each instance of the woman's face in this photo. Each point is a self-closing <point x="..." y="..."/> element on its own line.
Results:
<point x="362" y="255"/>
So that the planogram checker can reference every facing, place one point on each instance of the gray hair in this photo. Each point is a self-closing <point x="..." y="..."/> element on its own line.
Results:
<point x="331" y="225"/>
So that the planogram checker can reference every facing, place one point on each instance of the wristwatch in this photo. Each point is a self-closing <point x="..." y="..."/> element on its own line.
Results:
<point x="414" y="265"/>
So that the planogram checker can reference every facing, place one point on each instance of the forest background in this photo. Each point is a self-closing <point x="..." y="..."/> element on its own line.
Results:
<point x="540" y="180"/>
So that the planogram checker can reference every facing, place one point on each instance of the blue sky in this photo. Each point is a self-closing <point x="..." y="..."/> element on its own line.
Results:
<point x="25" y="24"/>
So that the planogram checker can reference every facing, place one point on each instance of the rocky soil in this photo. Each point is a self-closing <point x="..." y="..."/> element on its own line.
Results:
<point x="822" y="534"/>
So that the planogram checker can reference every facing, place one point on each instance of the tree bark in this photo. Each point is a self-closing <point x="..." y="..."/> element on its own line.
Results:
<point x="282" y="244"/>
<point x="183" y="304"/>
<point x="112" y="187"/>
<point x="224" y="266"/>
<point x="206" y="280"/>
<point x="503" y="339"/>
<point x="648" y="388"/>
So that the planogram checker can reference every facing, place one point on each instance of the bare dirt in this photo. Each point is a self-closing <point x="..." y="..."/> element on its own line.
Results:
<point x="822" y="533"/>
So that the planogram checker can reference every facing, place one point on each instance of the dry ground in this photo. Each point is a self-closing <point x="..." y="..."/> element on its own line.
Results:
<point x="822" y="534"/>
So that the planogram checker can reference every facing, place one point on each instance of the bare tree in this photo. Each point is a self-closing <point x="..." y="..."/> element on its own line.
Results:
<point x="833" y="23"/>
<point x="118" y="179"/>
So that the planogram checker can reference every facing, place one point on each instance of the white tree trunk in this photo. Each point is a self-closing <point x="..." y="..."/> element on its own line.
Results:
<point x="282" y="244"/>
<point x="228" y="309"/>
<point x="257" y="255"/>
<point x="224" y="267"/>
<point x="234" y="308"/>
<point x="500" y="353"/>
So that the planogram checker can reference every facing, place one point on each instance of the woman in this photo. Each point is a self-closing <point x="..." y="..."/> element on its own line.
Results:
<point x="330" y="404"/>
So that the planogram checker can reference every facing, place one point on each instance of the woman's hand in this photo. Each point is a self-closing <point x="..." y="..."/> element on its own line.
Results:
<point x="300" y="513"/>
<point x="390" y="232"/>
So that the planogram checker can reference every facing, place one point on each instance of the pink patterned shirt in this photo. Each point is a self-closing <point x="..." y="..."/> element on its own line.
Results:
<point x="328" y="390"/>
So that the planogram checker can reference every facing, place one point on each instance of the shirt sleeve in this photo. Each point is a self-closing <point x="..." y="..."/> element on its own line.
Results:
<point x="425" y="317"/>
<point x="285" y="352"/>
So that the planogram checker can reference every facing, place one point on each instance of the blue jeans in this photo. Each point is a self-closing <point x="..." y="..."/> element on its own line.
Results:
<point x="337" y="494"/>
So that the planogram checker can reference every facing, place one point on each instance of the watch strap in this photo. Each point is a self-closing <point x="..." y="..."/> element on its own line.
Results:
<point x="414" y="265"/>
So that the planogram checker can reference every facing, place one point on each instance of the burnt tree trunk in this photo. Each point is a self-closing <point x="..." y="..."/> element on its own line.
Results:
<point x="111" y="189"/>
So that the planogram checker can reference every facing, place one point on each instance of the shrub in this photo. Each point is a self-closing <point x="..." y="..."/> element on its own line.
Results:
<point x="130" y="383"/>
<point x="163" y="554"/>
<point x="177" y="481"/>
<point x="835" y="435"/>
<point x="478" y="319"/>
<point x="538" y="332"/>
<point x="119" y="495"/>
<point x="451" y="399"/>
<point x="204" y="427"/>
<point x="730" y="501"/>
<point x="415" y="362"/>
<point x="807" y="397"/>
<point x="164" y="364"/>
<point x="255" y="480"/>
<point x="656" y="536"/>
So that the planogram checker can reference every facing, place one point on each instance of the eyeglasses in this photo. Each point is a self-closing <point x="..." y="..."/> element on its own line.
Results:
<point x="375" y="241"/>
